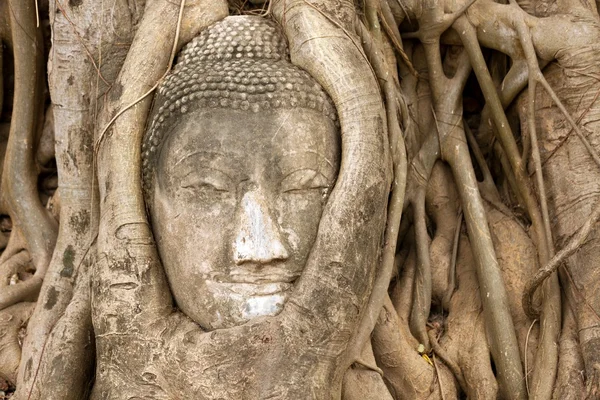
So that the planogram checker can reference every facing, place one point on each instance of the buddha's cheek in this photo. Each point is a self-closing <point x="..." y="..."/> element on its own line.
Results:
<point x="193" y="242"/>
<point x="298" y="218"/>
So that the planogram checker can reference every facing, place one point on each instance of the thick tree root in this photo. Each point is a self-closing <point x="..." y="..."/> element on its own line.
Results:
<point x="464" y="341"/>
<point x="364" y="381"/>
<point x="443" y="207"/>
<point x="12" y="321"/>
<point x="19" y="178"/>
<point x="406" y="372"/>
<point x="570" y="379"/>
<point x="518" y="260"/>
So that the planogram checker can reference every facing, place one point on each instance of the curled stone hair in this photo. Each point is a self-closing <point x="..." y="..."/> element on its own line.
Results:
<point x="241" y="62"/>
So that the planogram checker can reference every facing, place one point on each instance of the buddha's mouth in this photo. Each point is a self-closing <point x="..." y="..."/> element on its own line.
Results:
<point x="257" y="289"/>
<point x="251" y="281"/>
<point x="260" y="276"/>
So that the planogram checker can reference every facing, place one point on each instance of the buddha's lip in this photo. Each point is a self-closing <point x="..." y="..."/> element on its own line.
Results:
<point x="261" y="277"/>
<point x="257" y="289"/>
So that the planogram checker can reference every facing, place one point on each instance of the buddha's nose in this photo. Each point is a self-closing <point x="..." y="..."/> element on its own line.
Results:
<point x="257" y="238"/>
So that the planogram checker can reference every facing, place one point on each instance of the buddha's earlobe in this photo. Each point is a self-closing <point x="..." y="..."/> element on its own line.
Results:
<point x="256" y="236"/>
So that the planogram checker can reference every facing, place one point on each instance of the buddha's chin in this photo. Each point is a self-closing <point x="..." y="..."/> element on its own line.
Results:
<point x="263" y="306"/>
<point x="241" y="306"/>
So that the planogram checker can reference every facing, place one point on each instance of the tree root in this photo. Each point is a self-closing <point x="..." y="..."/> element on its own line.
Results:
<point x="15" y="270"/>
<point x="464" y="343"/>
<point x="443" y="207"/>
<point x="391" y="28"/>
<point x="14" y="267"/>
<point x="365" y="383"/>
<point x="551" y="314"/>
<point x="441" y="353"/>
<point x="401" y="295"/>
<point x="71" y="338"/>
<point x="570" y="379"/>
<point x="396" y="202"/>
<point x="12" y="321"/>
<point x="406" y="373"/>
<point x="503" y="341"/>
<point x="559" y="258"/>
<point x="422" y="288"/>
<point x="19" y="179"/>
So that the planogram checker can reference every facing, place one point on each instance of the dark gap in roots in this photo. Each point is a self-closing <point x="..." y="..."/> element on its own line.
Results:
<point x="437" y="319"/>
<point x="431" y="227"/>
<point x="493" y="366"/>
<point x="48" y="179"/>
<point x="473" y="103"/>
<point x="252" y="7"/>
<point x="6" y="389"/>
<point x="8" y="83"/>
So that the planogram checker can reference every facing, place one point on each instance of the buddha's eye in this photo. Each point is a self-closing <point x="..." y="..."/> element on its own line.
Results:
<point x="214" y="182"/>
<point x="304" y="180"/>
<point x="204" y="186"/>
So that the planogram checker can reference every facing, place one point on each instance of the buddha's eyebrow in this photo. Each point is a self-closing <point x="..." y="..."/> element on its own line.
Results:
<point x="199" y="152"/>
<point x="208" y="169"/>
<point x="294" y="152"/>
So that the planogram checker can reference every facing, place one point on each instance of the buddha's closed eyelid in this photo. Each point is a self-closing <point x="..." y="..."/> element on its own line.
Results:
<point x="208" y="178"/>
<point x="304" y="179"/>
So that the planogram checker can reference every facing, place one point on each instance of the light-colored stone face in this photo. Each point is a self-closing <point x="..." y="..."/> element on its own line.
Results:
<point x="237" y="204"/>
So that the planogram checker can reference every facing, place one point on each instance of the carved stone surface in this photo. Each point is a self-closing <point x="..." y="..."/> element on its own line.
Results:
<point x="236" y="195"/>
<point x="240" y="63"/>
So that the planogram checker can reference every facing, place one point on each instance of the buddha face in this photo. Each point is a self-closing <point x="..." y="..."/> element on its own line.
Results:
<point x="237" y="202"/>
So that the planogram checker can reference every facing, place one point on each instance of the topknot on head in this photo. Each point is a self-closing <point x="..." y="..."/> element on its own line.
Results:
<point x="241" y="62"/>
<point x="236" y="38"/>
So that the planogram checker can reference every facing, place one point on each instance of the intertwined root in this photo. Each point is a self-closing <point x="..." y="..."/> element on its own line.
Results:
<point x="455" y="334"/>
<point x="464" y="341"/>
<point x="13" y="321"/>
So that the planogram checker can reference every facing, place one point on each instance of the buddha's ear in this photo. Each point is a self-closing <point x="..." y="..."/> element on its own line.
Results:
<point x="336" y="283"/>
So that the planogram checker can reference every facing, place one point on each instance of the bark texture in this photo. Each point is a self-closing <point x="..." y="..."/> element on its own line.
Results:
<point x="456" y="256"/>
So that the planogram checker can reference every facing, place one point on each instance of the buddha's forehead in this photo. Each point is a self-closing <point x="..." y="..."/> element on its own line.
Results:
<point x="278" y="139"/>
<point x="241" y="131"/>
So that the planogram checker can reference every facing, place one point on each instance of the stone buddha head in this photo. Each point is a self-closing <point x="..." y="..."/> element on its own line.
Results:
<point x="238" y="162"/>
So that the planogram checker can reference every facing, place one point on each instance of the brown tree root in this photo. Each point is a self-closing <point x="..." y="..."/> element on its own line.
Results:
<point x="570" y="380"/>
<point x="401" y="293"/>
<point x="566" y="157"/>
<point x="559" y="258"/>
<point x="19" y="179"/>
<point x="405" y="371"/>
<point x="73" y="113"/>
<point x="464" y="341"/>
<point x="363" y="380"/>
<point x="517" y="258"/>
<point x="443" y="207"/>
<point x="502" y="341"/>
<point x="14" y="269"/>
<point x="391" y="92"/>
<point x="69" y="350"/>
<point x="543" y="378"/>
<point x="12" y="320"/>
